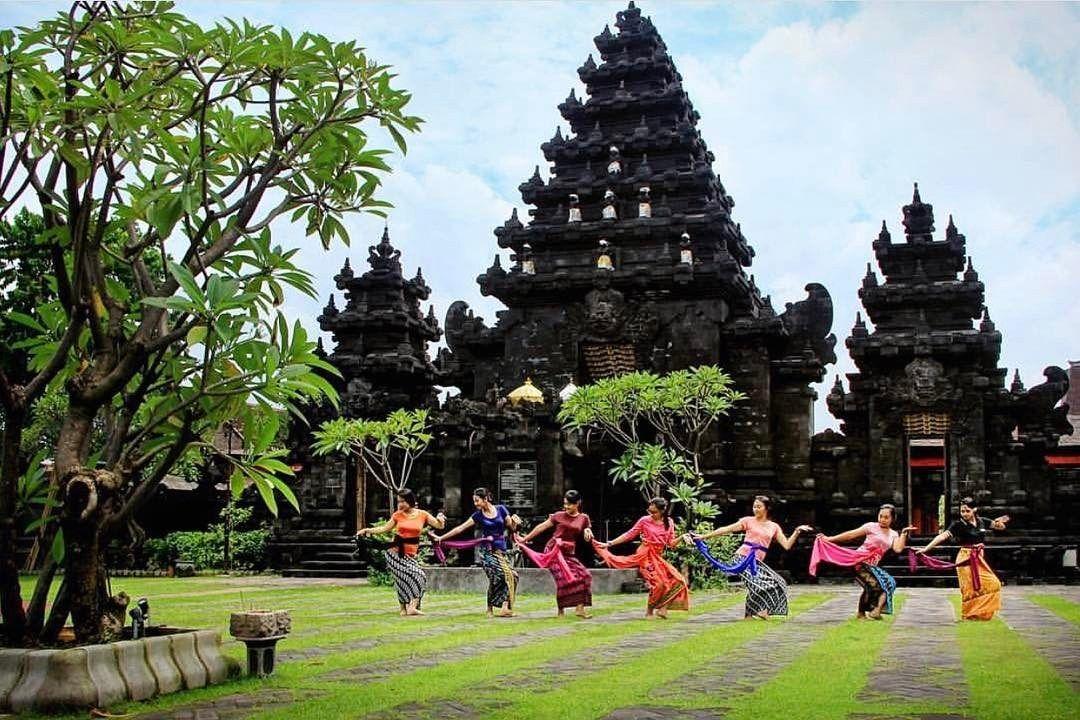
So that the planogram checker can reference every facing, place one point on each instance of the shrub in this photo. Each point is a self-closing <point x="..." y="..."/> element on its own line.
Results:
<point x="206" y="548"/>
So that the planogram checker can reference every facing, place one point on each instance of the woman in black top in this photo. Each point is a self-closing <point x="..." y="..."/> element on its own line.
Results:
<point x="979" y="586"/>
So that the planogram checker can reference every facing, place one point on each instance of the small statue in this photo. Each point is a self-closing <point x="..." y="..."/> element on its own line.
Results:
<point x="528" y="265"/>
<point x="614" y="163"/>
<point x="609" y="212"/>
<point x="603" y="260"/>
<point x="575" y="211"/>
<point x="686" y="254"/>
<point x="644" y="208"/>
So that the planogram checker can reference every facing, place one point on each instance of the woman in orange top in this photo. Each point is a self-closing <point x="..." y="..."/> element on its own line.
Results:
<point x="409" y="578"/>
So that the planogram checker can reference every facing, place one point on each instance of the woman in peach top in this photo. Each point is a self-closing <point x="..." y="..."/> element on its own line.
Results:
<point x="766" y="591"/>
<point x="409" y="521"/>
<point x="667" y="586"/>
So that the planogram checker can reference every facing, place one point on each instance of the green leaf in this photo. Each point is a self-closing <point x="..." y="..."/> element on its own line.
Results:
<point x="196" y="334"/>
<point x="58" y="546"/>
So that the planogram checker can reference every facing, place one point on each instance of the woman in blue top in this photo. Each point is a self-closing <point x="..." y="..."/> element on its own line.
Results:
<point x="493" y="521"/>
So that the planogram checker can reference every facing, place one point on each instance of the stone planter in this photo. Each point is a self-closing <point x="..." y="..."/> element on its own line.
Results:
<point x="101" y="675"/>
<point x="260" y="631"/>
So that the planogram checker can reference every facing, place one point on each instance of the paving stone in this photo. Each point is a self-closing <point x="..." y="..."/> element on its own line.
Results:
<point x="485" y="697"/>
<point x="921" y="660"/>
<point x="231" y="707"/>
<point x="1052" y="636"/>
<point x="747" y="667"/>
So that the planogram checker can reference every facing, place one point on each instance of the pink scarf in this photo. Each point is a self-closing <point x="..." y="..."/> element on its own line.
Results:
<point x="975" y="561"/>
<point x="440" y="554"/>
<point x="551" y="556"/>
<point x="839" y="555"/>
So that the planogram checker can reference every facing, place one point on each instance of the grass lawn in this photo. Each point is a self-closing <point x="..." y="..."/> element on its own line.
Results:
<point x="352" y="656"/>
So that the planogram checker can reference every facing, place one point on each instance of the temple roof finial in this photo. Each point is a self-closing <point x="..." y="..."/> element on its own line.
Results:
<point x="1017" y="384"/>
<point x="969" y="274"/>
<point x="915" y="199"/>
<point x="987" y="325"/>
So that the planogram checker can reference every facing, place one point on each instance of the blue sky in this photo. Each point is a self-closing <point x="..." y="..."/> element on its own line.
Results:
<point x="821" y="117"/>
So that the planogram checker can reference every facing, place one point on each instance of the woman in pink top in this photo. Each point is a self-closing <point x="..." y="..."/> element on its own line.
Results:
<point x="766" y="591"/>
<point x="878" y="538"/>
<point x="667" y="587"/>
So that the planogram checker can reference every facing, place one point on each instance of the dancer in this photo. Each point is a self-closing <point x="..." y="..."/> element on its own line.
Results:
<point x="493" y="521"/>
<point x="409" y="578"/>
<point x="878" y="538"/>
<point x="980" y="589"/>
<point x="766" y="591"/>
<point x="573" y="583"/>
<point x="667" y="587"/>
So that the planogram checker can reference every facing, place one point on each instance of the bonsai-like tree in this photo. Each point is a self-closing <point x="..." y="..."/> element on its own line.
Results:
<point x="387" y="448"/>
<point x="661" y="422"/>
<point x="159" y="155"/>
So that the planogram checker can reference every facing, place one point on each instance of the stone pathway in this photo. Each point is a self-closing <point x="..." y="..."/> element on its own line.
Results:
<point x="231" y="707"/>
<point x="371" y="642"/>
<point x="921" y="659"/>
<point x="487" y="697"/>
<point x="1052" y="636"/>
<point x="755" y="663"/>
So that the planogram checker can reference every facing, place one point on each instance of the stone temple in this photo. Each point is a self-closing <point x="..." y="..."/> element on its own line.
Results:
<point x="632" y="258"/>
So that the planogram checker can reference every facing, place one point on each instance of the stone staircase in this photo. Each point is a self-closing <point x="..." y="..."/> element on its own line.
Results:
<point x="313" y="554"/>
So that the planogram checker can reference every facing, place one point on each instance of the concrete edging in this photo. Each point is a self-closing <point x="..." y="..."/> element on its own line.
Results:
<point x="102" y="675"/>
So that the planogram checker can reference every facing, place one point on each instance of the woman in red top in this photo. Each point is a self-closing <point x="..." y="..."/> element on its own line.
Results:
<point x="667" y="586"/>
<point x="409" y="521"/>
<point x="573" y="583"/>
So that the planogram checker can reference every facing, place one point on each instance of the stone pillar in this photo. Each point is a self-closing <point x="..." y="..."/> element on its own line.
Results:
<point x="753" y="443"/>
<point x="792" y="408"/>
<point x="451" y="479"/>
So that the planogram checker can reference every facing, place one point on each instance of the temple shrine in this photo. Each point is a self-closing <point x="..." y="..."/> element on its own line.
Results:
<point x="631" y="258"/>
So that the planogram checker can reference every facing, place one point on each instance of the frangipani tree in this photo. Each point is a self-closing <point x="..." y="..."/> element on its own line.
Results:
<point x="661" y="422"/>
<point x="388" y="448"/>
<point x="159" y="155"/>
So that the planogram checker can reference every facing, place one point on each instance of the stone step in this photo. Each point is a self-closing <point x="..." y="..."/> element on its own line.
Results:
<point x="321" y="573"/>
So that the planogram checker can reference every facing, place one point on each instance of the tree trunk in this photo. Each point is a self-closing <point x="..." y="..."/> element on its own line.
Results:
<point x="11" y="604"/>
<point x="83" y="569"/>
<point x="36" y="612"/>
<point x="84" y="496"/>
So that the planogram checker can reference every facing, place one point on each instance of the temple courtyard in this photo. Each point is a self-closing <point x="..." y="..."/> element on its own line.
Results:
<point x="351" y="656"/>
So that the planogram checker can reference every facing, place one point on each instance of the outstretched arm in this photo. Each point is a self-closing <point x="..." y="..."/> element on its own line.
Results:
<point x="941" y="537"/>
<point x="625" y="537"/>
<point x="848" y="536"/>
<point x="789" y="542"/>
<point x="546" y="525"/>
<point x="456" y="531"/>
<point x="390" y="525"/>
<point x="436" y="521"/>
<point x="999" y="523"/>
<point x="733" y="527"/>
<point x="901" y="540"/>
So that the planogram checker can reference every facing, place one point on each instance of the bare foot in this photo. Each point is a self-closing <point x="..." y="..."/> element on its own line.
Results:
<point x="662" y="614"/>
<point x="505" y="614"/>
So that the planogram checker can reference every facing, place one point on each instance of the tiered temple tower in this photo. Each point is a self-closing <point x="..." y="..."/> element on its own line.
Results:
<point x="381" y="336"/>
<point x="632" y="260"/>
<point x="927" y="418"/>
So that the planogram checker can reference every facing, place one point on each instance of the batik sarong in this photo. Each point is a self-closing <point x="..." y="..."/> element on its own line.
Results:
<point x="502" y="580"/>
<point x="875" y="583"/>
<point x="766" y="591"/>
<point x="980" y="589"/>
<point x="573" y="583"/>
<point x="667" y="587"/>
<point x="410" y="581"/>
